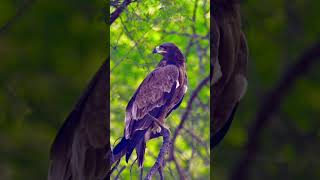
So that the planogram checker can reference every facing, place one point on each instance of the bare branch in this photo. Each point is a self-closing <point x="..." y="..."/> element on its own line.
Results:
<point x="141" y="173"/>
<point x="182" y="122"/>
<point x="115" y="14"/>
<point x="131" y="167"/>
<point x="21" y="10"/>
<point x="119" y="173"/>
<point x="142" y="38"/>
<point x="197" y="138"/>
<point x="189" y="107"/>
<point x="191" y="41"/>
<point x="161" y="173"/>
<point x="114" y="167"/>
<point x="195" y="36"/>
<point x="158" y="165"/>
<point x="270" y="105"/>
<point x="179" y="169"/>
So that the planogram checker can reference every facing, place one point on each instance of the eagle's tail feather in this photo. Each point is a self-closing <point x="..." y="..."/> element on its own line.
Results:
<point x="120" y="146"/>
<point x="140" y="149"/>
<point x="134" y="141"/>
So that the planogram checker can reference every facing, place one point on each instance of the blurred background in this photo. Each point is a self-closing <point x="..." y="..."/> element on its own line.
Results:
<point x="141" y="27"/>
<point x="277" y="33"/>
<point x="49" y="50"/>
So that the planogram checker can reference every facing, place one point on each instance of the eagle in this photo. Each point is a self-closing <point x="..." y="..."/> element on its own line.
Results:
<point x="161" y="92"/>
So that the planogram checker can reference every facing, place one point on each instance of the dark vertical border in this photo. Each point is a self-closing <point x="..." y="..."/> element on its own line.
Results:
<point x="107" y="16"/>
<point x="211" y="91"/>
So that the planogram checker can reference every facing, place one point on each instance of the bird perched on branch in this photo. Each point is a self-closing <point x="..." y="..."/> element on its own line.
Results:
<point x="229" y="62"/>
<point x="160" y="93"/>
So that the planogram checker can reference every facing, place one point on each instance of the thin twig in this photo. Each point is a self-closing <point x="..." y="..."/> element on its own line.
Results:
<point x="161" y="173"/>
<point x="178" y="167"/>
<point x="195" y="36"/>
<point x="21" y="10"/>
<point x="114" y="167"/>
<point x="189" y="107"/>
<point x="182" y="122"/>
<point x="191" y="41"/>
<point x="119" y="173"/>
<point x="131" y="167"/>
<point x="121" y="60"/>
<point x="141" y="173"/>
<point x="197" y="138"/>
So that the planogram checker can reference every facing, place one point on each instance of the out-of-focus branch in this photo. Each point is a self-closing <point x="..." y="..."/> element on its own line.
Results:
<point x="193" y="27"/>
<point x="21" y="10"/>
<point x="205" y="11"/>
<point x="270" y="105"/>
<point x="142" y="38"/>
<point x="195" y="36"/>
<point x="115" y="14"/>
<point x="195" y="148"/>
<point x="197" y="138"/>
<point x="189" y="107"/>
<point x="130" y="36"/>
<point x="182" y="122"/>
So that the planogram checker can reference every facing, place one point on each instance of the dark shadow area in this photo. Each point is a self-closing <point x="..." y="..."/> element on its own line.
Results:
<point x="275" y="134"/>
<point x="49" y="51"/>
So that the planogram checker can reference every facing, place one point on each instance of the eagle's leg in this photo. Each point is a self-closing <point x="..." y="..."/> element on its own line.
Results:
<point x="156" y="128"/>
<point x="157" y="125"/>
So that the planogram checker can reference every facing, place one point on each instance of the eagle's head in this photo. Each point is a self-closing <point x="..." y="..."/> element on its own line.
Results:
<point x="170" y="52"/>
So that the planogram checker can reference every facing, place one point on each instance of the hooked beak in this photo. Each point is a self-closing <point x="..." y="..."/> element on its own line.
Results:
<point x="159" y="50"/>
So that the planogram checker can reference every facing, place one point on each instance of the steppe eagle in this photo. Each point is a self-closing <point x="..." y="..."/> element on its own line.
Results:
<point x="160" y="93"/>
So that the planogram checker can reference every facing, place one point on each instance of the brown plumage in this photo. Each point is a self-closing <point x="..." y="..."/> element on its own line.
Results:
<point x="160" y="92"/>
<point x="229" y="60"/>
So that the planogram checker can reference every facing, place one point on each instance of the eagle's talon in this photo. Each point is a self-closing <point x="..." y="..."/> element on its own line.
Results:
<point x="158" y="130"/>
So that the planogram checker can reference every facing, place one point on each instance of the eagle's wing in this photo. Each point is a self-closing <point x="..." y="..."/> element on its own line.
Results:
<point x="185" y="88"/>
<point x="152" y="93"/>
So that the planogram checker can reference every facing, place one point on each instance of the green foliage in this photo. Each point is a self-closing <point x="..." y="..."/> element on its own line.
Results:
<point x="142" y="27"/>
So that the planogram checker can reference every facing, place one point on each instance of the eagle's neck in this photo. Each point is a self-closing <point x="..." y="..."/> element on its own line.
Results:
<point x="173" y="60"/>
<point x="166" y="61"/>
<point x="162" y="63"/>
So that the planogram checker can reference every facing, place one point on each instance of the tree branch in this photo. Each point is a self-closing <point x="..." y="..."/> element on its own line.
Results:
<point x="191" y="41"/>
<point x="115" y="14"/>
<point x="270" y="105"/>
<point x="158" y="165"/>
<point x="119" y="173"/>
<point x="197" y="138"/>
<point x="182" y="122"/>
<point x="21" y="10"/>
<point x="189" y="107"/>
<point x="194" y="36"/>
